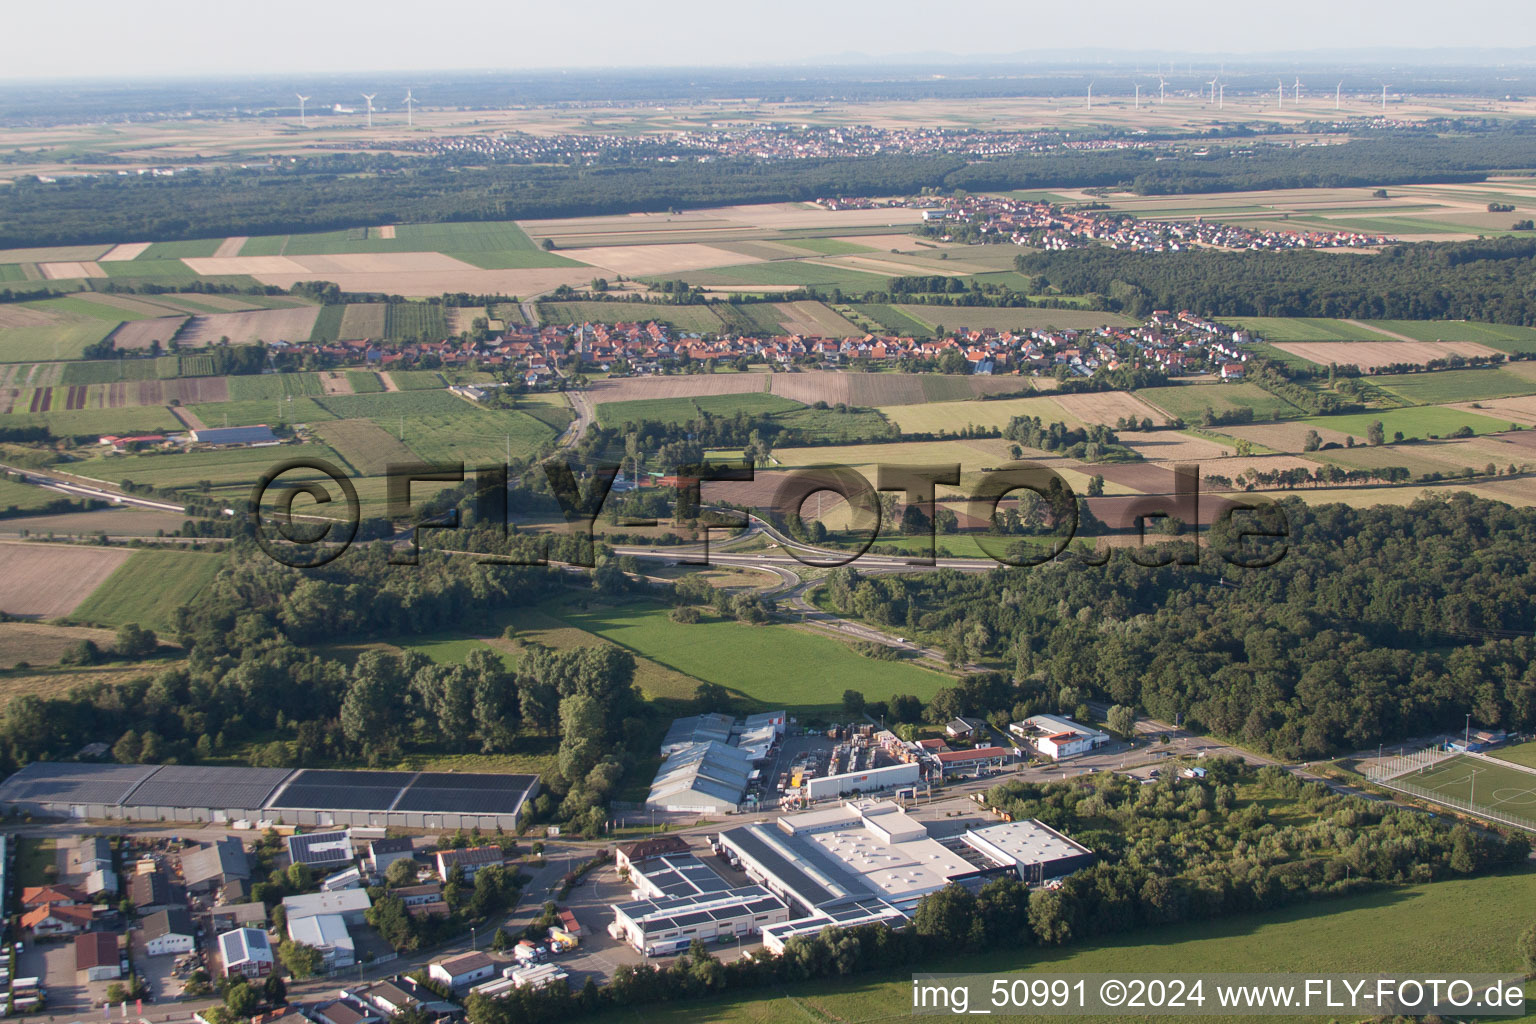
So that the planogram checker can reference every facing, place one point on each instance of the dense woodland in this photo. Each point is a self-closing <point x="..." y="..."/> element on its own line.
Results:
<point x="1487" y="279"/>
<point x="354" y="189"/>
<point x="1377" y="624"/>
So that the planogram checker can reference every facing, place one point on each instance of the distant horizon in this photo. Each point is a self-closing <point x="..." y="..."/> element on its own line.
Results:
<point x="160" y="40"/>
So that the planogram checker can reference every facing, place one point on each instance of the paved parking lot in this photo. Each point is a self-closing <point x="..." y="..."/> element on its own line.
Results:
<point x="54" y="962"/>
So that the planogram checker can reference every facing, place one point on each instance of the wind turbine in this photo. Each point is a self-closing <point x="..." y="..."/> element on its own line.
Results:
<point x="1279" y="93"/>
<point x="369" y="97"/>
<point x="1221" y="96"/>
<point x="302" y="100"/>
<point x="1384" y="88"/>
<point x="1161" y="81"/>
<point x="410" y="113"/>
<point x="1337" y="92"/>
<point x="1212" y="84"/>
<point x="1297" y="87"/>
<point x="1090" y="95"/>
<point x="1138" y="95"/>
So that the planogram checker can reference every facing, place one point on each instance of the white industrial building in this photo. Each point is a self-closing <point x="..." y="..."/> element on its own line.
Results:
<point x="660" y="927"/>
<point x="328" y="933"/>
<point x="349" y="904"/>
<point x="671" y="875"/>
<point x="871" y="780"/>
<point x="1036" y="850"/>
<point x="1056" y="737"/>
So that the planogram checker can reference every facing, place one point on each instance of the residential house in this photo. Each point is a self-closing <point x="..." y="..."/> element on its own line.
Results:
<point x="54" y="919"/>
<point x="246" y="953"/>
<point x="471" y="859"/>
<point x="345" y="1011"/>
<point x="384" y="852"/>
<point x="238" y="915"/>
<point x="965" y="728"/>
<point x="321" y="849"/>
<point x="153" y="892"/>
<point x="62" y="895"/>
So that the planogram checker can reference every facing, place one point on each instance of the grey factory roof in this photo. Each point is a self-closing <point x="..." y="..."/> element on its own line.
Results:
<point x="685" y="911"/>
<point x="215" y="786"/>
<point x="52" y="782"/>
<point x="711" y="772"/>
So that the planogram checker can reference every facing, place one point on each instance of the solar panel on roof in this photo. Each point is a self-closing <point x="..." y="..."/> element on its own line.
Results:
<point x="208" y="786"/>
<point x="329" y="789"/>
<point x="49" y="782"/>
<point x="474" y="793"/>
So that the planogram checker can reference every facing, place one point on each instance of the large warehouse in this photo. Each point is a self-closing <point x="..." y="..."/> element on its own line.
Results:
<point x="304" y="796"/>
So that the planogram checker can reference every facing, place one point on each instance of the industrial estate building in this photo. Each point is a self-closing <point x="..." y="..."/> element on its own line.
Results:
<point x="860" y="862"/>
<point x="709" y="760"/>
<point x="1056" y="737"/>
<point x="305" y="796"/>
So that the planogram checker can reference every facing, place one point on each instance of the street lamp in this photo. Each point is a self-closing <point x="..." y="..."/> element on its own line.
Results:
<point x="472" y="937"/>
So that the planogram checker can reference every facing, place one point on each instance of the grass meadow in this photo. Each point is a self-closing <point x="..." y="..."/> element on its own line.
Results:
<point x="1454" y="385"/>
<point x="768" y="666"/>
<point x="1292" y="328"/>
<point x="1421" y="421"/>
<point x="148" y="588"/>
<point x="1189" y="401"/>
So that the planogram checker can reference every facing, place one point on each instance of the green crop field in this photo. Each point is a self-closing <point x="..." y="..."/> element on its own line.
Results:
<point x="1420" y="421"/>
<point x="76" y="307"/>
<point x="417" y="380"/>
<point x="934" y="417"/>
<point x="410" y="321"/>
<point x="828" y="246"/>
<point x="1504" y="337"/>
<point x="445" y="428"/>
<point x="163" y="272"/>
<point x="14" y="496"/>
<point x="1397" y="931"/>
<point x="192" y="366"/>
<point x="327" y="326"/>
<point x="364" y="382"/>
<point x="254" y="387"/>
<point x="172" y="471"/>
<point x="1454" y="385"/>
<point x="88" y="422"/>
<point x="148" y="588"/>
<point x="109" y="371"/>
<point x="488" y="244"/>
<point x="1189" y="401"/>
<point x="699" y="319"/>
<point x="753" y="317"/>
<point x="260" y="410"/>
<point x="771" y="665"/>
<point x="1287" y="328"/>
<point x="894" y="320"/>
<point x="52" y="342"/>
<point x="681" y="410"/>
<point x="194" y="247"/>
<point x="792" y="273"/>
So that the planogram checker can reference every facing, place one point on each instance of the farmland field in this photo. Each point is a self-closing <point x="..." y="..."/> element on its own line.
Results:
<point x="1368" y="355"/>
<point x="441" y="427"/>
<point x="56" y="341"/>
<point x="1287" y="328"/>
<point x="149" y="588"/>
<point x="1004" y="318"/>
<point x="291" y="324"/>
<point x="327" y="325"/>
<point x="681" y="410"/>
<point x="1396" y="930"/>
<point x="253" y="387"/>
<point x="1189" y="401"/>
<point x="770" y="666"/>
<point x="1455" y="385"/>
<point x="39" y="643"/>
<point x="786" y="274"/>
<point x="362" y="320"/>
<point x="1420" y="422"/>
<point x="1504" y="337"/>
<point x="934" y="417"/>
<point x="414" y="321"/>
<point x="814" y="319"/>
<point x="699" y="319"/>
<point x="894" y="320"/>
<point x="236" y="466"/>
<point x="367" y="447"/>
<point x="627" y="389"/>
<point x="45" y="581"/>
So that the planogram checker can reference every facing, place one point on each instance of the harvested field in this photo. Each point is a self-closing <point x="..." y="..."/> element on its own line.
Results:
<point x="68" y="270"/>
<point x="380" y="263"/>
<point x="367" y="447"/>
<point x="121" y="521"/>
<point x="1517" y="410"/>
<point x="1283" y="437"/>
<point x="876" y="390"/>
<point x="814" y="319"/>
<point x="255" y="266"/>
<point x="38" y="643"/>
<point x="137" y="335"/>
<point x="631" y="389"/>
<point x="809" y="388"/>
<point x="528" y="283"/>
<point x="231" y="246"/>
<point x="1370" y="354"/>
<point x="638" y="260"/>
<point x="1107" y="406"/>
<point x="1173" y="446"/>
<point x="45" y="581"/>
<point x="54" y="254"/>
<point x="333" y="382"/>
<point x="16" y="315"/>
<point x="293" y="324"/>
<point x="934" y="417"/>
<point x="126" y="251"/>
<point x="386" y="231"/>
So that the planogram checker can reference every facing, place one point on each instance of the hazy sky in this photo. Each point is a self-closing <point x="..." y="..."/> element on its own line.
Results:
<point x="156" y="38"/>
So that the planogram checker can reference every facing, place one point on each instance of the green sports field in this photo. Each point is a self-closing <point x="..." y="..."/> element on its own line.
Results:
<point x="1485" y="784"/>
<point x="1518" y="753"/>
